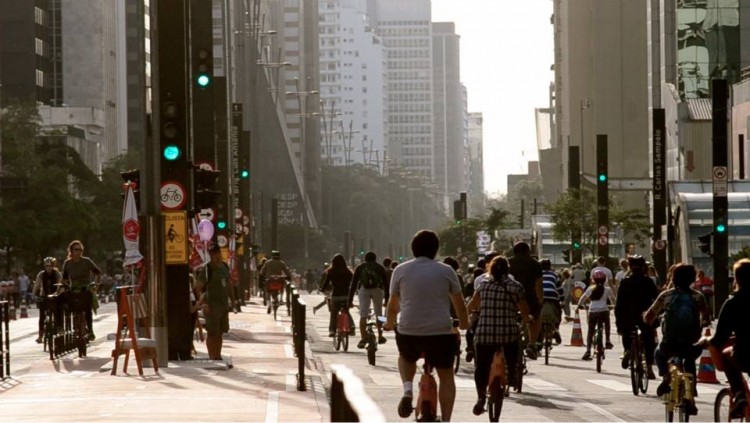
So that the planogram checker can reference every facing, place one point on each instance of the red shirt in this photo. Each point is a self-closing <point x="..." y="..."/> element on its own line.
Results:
<point x="704" y="285"/>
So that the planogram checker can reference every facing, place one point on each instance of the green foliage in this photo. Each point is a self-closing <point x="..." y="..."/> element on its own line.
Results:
<point x="742" y="254"/>
<point x="576" y="210"/>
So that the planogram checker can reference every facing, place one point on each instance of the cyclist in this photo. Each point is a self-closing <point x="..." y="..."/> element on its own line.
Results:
<point x="338" y="278"/>
<point x="599" y="293"/>
<point x="481" y="275"/>
<point x="635" y="295"/>
<point x="76" y="273"/>
<point x="684" y="309"/>
<point x="422" y="290"/>
<point x="551" y="310"/>
<point x="601" y="264"/>
<point x="45" y="285"/>
<point x="526" y="270"/>
<point x="500" y="299"/>
<point x="368" y="282"/>
<point x="273" y="267"/>
<point x="734" y="359"/>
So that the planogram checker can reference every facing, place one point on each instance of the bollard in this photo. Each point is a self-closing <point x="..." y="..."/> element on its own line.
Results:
<point x="301" y="334"/>
<point x="4" y="340"/>
<point x="349" y="400"/>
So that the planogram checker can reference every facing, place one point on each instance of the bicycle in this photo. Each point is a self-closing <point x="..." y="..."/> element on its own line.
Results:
<point x="497" y="385"/>
<point x="681" y="391"/>
<point x="521" y="367"/>
<point x="457" y="333"/>
<point x="342" y="329"/>
<point x="427" y="400"/>
<point x="79" y="303"/>
<point x="638" y="365"/>
<point x="370" y="338"/>
<point x="548" y="331"/>
<point x="599" y="345"/>
<point x="274" y="287"/>
<point x="724" y="403"/>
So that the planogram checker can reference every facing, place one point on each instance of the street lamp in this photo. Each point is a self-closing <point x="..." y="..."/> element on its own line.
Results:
<point x="585" y="104"/>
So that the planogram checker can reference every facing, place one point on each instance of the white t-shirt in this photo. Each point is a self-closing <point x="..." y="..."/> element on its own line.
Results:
<point x="601" y="303"/>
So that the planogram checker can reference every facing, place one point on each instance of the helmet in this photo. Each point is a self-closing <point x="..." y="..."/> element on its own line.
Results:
<point x="275" y="253"/>
<point x="636" y="260"/>
<point x="49" y="261"/>
<point x="599" y="275"/>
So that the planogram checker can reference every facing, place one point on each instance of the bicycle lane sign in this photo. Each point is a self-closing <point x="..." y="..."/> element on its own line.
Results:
<point x="175" y="237"/>
<point x="172" y="195"/>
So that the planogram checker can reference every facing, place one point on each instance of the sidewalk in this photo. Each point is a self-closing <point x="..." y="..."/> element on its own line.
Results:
<point x="260" y="387"/>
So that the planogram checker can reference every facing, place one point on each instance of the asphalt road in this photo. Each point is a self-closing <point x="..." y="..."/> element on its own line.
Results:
<point x="568" y="389"/>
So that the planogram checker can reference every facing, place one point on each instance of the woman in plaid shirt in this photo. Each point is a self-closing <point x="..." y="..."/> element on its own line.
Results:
<point x="498" y="301"/>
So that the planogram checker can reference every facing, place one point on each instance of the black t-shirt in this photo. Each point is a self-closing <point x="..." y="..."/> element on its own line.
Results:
<point x="733" y="320"/>
<point x="527" y="271"/>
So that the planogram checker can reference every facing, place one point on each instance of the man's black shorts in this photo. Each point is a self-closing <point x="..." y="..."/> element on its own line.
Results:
<point x="440" y="350"/>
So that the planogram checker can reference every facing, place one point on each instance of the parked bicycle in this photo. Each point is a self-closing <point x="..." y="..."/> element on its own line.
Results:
<point x="678" y="399"/>
<point x="638" y="365"/>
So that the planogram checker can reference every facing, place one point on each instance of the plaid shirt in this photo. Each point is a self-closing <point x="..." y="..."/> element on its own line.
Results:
<point x="498" y="312"/>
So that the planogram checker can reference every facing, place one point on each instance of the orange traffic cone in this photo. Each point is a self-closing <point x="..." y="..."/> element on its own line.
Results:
<point x="24" y="311"/>
<point x="706" y="368"/>
<point x="12" y="310"/>
<point x="576" y="339"/>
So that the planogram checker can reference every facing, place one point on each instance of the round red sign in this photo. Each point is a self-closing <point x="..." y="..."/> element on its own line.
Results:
<point x="130" y="230"/>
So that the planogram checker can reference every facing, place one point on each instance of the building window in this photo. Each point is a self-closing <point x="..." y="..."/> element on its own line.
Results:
<point x="39" y="78"/>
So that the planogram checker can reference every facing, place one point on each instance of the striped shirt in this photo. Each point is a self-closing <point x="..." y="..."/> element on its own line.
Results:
<point x="550" y="286"/>
<point x="498" y="311"/>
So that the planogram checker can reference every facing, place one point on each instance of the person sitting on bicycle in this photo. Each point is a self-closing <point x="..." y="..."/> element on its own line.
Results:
<point x="422" y="290"/>
<point x="551" y="292"/>
<point x="274" y="267"/>
<point x="76" y="273"/>
<point x="498" y="300"/>
<point x="734" y="359"/>
<point x="480" y="276"/>
<point x="598" y="293"/>
<point x="45" y="285"/>
<point x="635" y="295"/>
<point x="338" y="278"/>
<point x="368" y="282"/>
<point x="685" y="310"/>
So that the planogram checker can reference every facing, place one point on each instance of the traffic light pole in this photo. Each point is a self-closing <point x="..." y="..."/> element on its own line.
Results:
<point x="602" y="196"/>
<point x="719" y="99"/>
<point x="574" y="183"/>
<point x="659" y="191"/>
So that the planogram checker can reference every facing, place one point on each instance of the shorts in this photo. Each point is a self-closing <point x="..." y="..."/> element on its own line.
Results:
<point x="439" y="350"/>
<point x="219" y="324"/>
<point x="365" y="295"/>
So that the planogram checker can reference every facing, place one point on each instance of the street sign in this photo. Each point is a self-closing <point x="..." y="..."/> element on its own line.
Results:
<point x="207" y="214"/>
<point x="603" y="230"/>
<point x="175" y="237"/>
<point x="222" y="240"/>
<point x="172" y="195"/>
<point x="720" y="181"/>
<point x="246" y="220"/>
<point x="660" y="244"/>
<point x="603" y="240"/>
<point x="237" y="214"/>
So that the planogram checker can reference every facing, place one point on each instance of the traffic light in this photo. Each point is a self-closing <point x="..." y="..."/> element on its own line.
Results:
<point x="458" y="216"/>
<point x="576" y="245"/>
<point x="203" y="70"/>
<point x="221" y="224"/>
<point x="205" y="192"/>
<point x="705" y="244"/>
<point x="173" y="141"/>
<point x="132" y="177"/>
<point x="244" y="174"/>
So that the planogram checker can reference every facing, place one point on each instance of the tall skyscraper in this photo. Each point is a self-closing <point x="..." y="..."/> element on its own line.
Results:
<point x="406" y="30"/>
<point x="475" y="140"/>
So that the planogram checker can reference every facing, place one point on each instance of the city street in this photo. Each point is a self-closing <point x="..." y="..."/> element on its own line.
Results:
<point x="568" y="389"/>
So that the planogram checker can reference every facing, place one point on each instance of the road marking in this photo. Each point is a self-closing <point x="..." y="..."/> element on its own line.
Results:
<point x="291" y="382"/>
<point x="611" y="384"/>
<point x="387" y="379"/>
<point x="542" y="385"/>
<point x="272" y="407"/>
<point x="289" y="351"/>
<point x="593" y="407"/>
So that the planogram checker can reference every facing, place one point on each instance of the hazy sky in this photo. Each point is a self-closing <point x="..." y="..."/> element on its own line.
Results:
<point x="506" y="53"/>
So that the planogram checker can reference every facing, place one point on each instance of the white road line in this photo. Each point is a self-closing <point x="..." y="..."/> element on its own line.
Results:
<point x="542" y="385"/>
<point x="593" y="407"/>
<point x="272" y="407"/>
<point x="611" y="384"/>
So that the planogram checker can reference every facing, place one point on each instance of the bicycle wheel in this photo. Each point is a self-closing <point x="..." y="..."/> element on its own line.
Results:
<point x="495" y="402"/>
<point x="669" y="415"/>
<point x="634" y="367"/>
<point x="426" y="414"/>
<point x="642" y="372"/>
<point x="457" y="364"/>
<point x="682" y="414"/>
<point x="81" y="333"/>
<point x="337" y="341"/>
<point x="345" y="341"/>
<point x="722" y="405"/>
<point x="520" y="371"/>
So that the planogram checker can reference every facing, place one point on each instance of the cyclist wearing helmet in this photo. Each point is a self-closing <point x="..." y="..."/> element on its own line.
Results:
<point x="45" y="285"/>
<point x="526" y="270"/>
<point x="598" y="292"/>
<point x="635" y="295"/>
<point x="273" y="267"/>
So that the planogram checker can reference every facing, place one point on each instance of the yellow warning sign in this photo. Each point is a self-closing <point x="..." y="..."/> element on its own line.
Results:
<point x="175" y="237"/>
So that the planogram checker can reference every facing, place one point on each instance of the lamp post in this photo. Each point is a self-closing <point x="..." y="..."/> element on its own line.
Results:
<point x="585" y="104"/>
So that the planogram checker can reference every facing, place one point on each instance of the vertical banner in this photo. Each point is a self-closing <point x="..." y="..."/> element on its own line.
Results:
<point x="130" y="229"/>
<point x="659" y="191"/>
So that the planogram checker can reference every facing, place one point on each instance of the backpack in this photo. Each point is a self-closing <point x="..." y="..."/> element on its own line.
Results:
<point x="370" y="278"/>
<point x="681" y="323"/>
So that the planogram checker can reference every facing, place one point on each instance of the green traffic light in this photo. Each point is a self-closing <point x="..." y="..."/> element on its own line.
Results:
<point x="203" y="80"/>
<point x="221" y="224"/>
<point x="576" y="245"/>
<point x="244" y="174"/>
<point x="602" y="178"/>
<point x="171" y="152"/>
<point x="721" y="228"/>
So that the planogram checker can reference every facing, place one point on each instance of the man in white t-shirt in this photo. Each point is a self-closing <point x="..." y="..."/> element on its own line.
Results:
<point x="625" y="269"/>
<point x="601" y="264"/>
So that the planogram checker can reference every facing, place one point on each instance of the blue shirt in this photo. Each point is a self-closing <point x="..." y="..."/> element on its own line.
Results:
<point x="550" y="285"/>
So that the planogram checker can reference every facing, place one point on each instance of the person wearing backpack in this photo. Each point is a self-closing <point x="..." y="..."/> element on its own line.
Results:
<point x="368" y="282"/>
<point x="684" y="312"/>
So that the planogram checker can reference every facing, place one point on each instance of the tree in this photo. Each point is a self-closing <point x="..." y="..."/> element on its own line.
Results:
<point x="576" y="210"/>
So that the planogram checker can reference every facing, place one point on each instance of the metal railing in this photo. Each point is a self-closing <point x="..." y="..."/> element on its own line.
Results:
<point x="4" y="340"/>
<point x="349" y="401"/>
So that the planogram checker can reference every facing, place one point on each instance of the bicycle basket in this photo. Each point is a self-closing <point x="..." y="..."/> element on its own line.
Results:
<point x="79" y="301"/>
